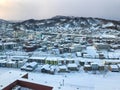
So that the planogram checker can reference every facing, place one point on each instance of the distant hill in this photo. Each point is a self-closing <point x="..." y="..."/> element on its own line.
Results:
<point x="62" y="23"/>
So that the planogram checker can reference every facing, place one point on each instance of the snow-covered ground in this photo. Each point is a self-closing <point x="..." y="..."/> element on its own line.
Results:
<point x="75" y="80"/>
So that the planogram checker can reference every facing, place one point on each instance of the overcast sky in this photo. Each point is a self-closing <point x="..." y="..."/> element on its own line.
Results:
<point x="41" y="9"/>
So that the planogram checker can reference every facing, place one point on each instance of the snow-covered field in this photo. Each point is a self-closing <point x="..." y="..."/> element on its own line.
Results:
<point x="75" y="80"/>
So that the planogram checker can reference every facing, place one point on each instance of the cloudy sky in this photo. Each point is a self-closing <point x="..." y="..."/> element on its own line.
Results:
<point x="41" y="9"/>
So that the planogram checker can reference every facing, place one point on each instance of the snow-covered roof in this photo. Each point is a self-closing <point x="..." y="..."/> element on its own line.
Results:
<point x="52" y="58"/>
<point x="113" y="66"/>
<point x="114" y="55"/>
<point x="86" y="65"/>
<point x="11" y="62"/>
<point x="89" y="60"/>
<point x="113" y="61"/>
<point x="20" y="56"/>
<point x="47" y="67"/>
<point x="69" y="59"/>
<point x="72" y="65"/>
<point x="101" y="64"/>
<point x="32" y="64"/>
<point x="62" y="67"/>
<point x="36" y="82"/>
<point x="38" y="58"/>
<point x="72" y="80"/>
<point x="3" y="61"/>
<point x="108" y="36"/>
<point x="60" y="58"/>
<point x="3" y="56"/>
<point x="9" y="77"/>
<point x="78" y="53"/>
<point x="8" y="43"/>
<point x="91" y="51"/>
<point x="94" y="63"/>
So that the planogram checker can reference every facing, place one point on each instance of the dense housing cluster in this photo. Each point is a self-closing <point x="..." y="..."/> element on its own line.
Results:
<point x="57" y="52"/>
<point x="60" y="46"/>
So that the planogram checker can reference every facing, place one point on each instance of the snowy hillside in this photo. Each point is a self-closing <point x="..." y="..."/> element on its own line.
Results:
<point x="58" y="23"/>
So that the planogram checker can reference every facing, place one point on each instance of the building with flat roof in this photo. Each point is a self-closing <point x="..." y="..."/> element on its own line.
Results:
<point x="11" y="79"/>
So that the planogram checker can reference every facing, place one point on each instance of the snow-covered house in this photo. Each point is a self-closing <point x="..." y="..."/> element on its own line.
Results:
<point x="112" y="62"/>
<point x="48" y="69"/>
<point x="11" y="64"/>
<point x="3" y="63"/>
<point x="51" y="60"/>
<point x="73" y="67"/>
<point x="30" y="47"/>
<point x="8" y="45"/>
<point x="108" y="38"/>
<point x="19" y="60"/>
<point x="75" y="48"/>
<point x="63" y="68"/>
<point x="102" y="46"/>
<point x="29" y="66"/>
<point x="39" y="60"/>
<point x="61" y="61"/>
<point x="113" y="68"/>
